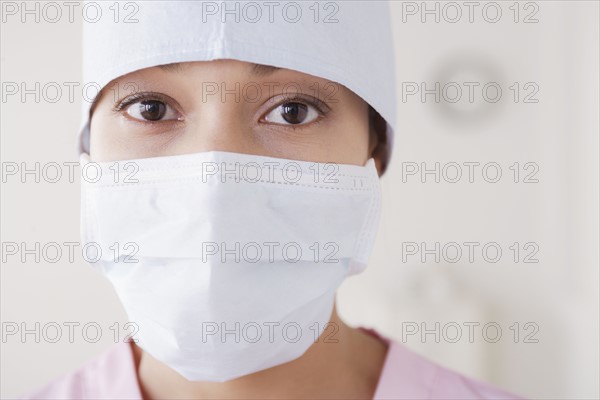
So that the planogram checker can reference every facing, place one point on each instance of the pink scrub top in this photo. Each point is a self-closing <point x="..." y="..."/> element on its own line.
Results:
<point x="405" y="375"/>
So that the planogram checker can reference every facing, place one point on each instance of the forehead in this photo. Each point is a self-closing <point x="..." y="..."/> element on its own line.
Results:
<point x="254" y="69"/>
<point x="226" y="70"/>
<point x="160" y="75"/>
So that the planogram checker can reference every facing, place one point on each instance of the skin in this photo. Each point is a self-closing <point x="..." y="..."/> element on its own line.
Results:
<point x="338" y="130"/>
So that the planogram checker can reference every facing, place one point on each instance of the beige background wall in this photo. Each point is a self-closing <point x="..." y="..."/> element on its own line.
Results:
<point x="557" y="296"/>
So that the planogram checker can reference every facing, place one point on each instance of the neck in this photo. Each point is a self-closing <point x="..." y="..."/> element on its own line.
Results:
<point x="344" y="363"/>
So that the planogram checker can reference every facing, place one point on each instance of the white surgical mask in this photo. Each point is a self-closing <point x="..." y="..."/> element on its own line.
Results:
<point x="228" y="263"/>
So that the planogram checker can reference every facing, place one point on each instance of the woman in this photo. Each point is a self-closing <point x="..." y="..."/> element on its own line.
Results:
<point x="237" y="149"/>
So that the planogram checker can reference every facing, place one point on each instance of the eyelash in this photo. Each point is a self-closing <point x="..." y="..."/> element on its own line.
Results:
<point x="143" y="96"/>
<point x="322" y="108"/>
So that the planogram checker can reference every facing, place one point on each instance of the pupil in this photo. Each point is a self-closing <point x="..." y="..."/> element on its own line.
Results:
<point x="152" y="110"/>
<point x="294" y="113"/>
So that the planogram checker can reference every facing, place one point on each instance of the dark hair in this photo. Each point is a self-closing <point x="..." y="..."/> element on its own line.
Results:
<point x="378" y="123"/>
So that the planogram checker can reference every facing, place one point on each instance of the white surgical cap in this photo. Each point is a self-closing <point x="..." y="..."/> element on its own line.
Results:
<point x="348" y="42"/>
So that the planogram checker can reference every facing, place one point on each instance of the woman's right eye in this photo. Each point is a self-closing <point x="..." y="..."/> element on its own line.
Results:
<point x="151" y="110"/>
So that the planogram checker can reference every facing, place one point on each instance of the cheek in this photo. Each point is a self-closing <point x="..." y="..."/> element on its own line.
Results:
<point x="98" y="150"/>
<point x="108" y="142"/>
<point x="114" y="139"/>
<point x="353" y="134"/>
<point x="104" y="144"/>
<point x="343" y="139"/>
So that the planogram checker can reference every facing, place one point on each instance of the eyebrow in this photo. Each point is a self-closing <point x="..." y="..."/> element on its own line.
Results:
<point x="178" y="68"/>
<point x="262" y="70"/>
<point x="257" y="69"/>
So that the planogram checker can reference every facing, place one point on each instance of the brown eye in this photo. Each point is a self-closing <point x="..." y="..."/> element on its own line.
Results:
<point x="292" y="113"/>
<point x="151" y="110"/>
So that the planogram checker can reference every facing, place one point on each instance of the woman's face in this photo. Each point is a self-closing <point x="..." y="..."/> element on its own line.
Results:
<point x="234" y="106"/>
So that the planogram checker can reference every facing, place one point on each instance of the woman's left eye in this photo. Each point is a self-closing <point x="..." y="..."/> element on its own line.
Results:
<point x="151" y="110"/>
<point x="292" y="113"/>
